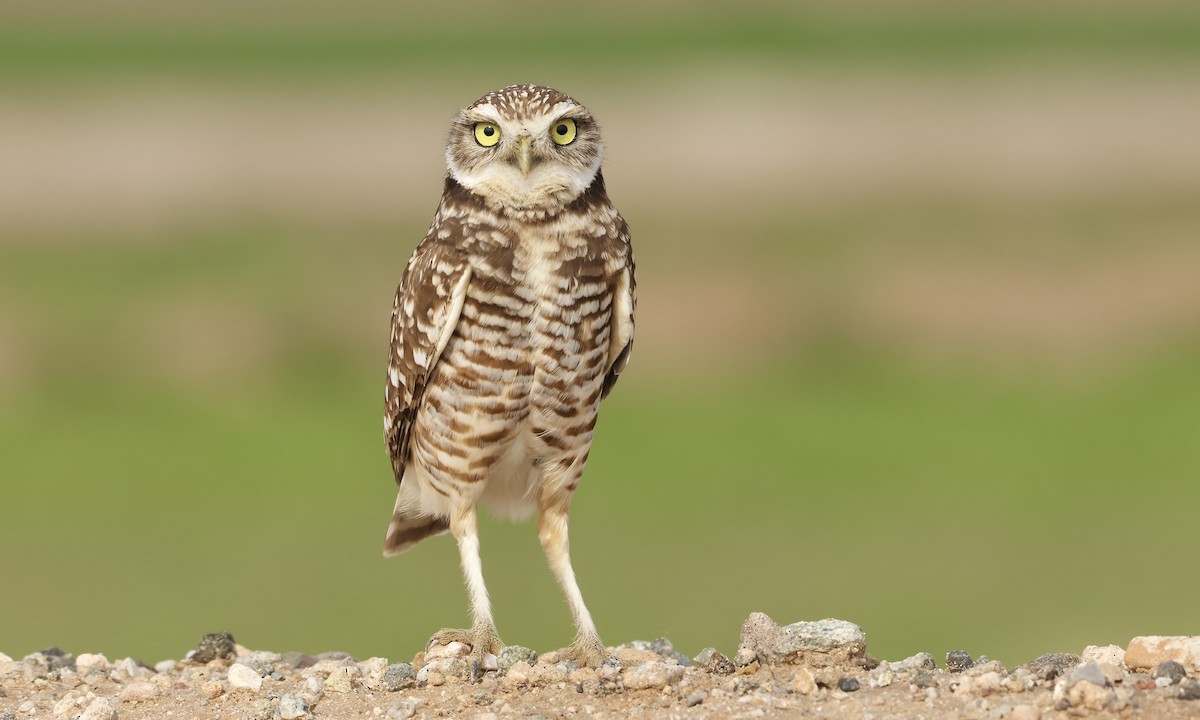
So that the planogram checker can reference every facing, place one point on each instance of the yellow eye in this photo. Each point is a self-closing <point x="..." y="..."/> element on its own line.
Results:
<point x="563" y="132"/>
<point x="486" y="134"/>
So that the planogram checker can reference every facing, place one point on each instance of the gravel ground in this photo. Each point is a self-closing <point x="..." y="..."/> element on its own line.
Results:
<point x="804" y="669"/>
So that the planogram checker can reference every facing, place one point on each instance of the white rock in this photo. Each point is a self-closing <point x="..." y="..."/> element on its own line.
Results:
<point x="1112" y="654"/>
<point x="100" y="709"/>
<point x="652" y="675"/>
<point x="292" y="707"/>
<point x="27" y="707"/>
<point x="126" y="669"/>
<point x="371" y="672"/>
<point x="4" y="658"/>
<point x="162" y="668"/>
<point x="244" y="678"/>
<point x="454" y="650"/>
<point x="89" y="662"/>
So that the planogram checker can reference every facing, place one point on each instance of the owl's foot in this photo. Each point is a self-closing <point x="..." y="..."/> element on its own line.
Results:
<point x="588" y="651"/>
<point x="483" y="639"/>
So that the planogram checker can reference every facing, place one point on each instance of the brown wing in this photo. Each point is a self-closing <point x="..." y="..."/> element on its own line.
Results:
<point x="624" y="305"/>
<point x="427" y="307"/>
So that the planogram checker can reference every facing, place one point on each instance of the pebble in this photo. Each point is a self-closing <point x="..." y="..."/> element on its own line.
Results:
<point x="244" y="678"/>
<point x="213" y="646"/>
<point x="711" y="660"/>
<point x="99" y="709"/>
<point x="958" y="660"/>
<point x="848" y="684"/>
<point x="161" y="667"/>
<point x="513" y="654"/>
<point x="634" y="656"/>
<point x="518" y="673"/>
<point x="744" y="657"/>
<point x="803" y="681"/>
<point x="1025" y="712"/>
<point x="261" y="662"/>
<point x="1148" y="651"/>
<point x="341" y="679"/>
<point x="920" y="661"/>
<point x="259" y="710"/>
<point x="653" y="675"/>
<point x="1189" y="689"/>
<point x="1112" y="654"/>
<point x="212" y="690"/>
<point x="1086" y="672"/>
<point x="140" y="692"/>
<point x="1171" y="670"/>
<point x="838" y="638"/>
<point x="695" y="697"/>
<point x="371" y="672"/>
<point x="1051" y="665"/>
<point x="399" y="676"/>
<point x="292" y="707"/>
<point x="452" y="650"/>
<point x="89" y="663"/>
<point x="404" y="709"/>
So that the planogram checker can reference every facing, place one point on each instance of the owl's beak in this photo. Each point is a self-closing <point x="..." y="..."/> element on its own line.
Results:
<point x="525" y="154"/>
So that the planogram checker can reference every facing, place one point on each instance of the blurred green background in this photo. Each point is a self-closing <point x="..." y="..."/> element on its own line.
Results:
<point x="918" y="331"/>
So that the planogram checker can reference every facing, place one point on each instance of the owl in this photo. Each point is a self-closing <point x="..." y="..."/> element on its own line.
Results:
<point x="513" y="320"/>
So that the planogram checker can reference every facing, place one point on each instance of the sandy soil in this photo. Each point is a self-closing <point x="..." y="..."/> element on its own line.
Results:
<point x="643" y="680"/>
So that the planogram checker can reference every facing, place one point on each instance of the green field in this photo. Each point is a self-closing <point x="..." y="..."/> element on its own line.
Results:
<point x="953" y="400"/>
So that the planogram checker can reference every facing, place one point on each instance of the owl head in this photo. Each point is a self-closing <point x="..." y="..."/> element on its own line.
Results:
<point x="525" y="148"/>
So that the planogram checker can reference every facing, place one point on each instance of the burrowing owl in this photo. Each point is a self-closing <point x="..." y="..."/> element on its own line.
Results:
<point x="512" y="321"/>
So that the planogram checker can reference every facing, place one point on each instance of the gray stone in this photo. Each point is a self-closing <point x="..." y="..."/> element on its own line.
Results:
<point x="1189" y="689"/>
<point x="513" y="654"/>
<point x="1051" y="665"/>
<point x="213" y="646"/>
<point x="292" y="707"/>
<point x="57" y="658"/>
<point x="848" y="684"/>
<point x="297" y="660"/>
<point x="824" y="641"/>
<point x="1087" y="672"/>
<point x="262" y="663"/>
<point x="958" y="660"/>
<point x="1171" y="670"/>
<point x="711" y="660"/>
<point x="399" y="676"/>
<point x="696" y="697"/>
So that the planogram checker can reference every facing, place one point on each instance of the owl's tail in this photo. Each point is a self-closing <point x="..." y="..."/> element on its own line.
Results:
<point x="407" y="530"/>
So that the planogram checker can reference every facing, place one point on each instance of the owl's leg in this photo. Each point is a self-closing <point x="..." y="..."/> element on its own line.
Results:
<point x="553" y="516"/>
<point x="482" y="637"/>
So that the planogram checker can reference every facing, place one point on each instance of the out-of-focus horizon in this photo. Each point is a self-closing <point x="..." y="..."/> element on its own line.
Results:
<point x="917" y="346"/>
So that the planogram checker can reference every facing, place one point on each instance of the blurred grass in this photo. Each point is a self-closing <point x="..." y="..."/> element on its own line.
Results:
<point x="189" y="412"/>
<point x="234" y="41"/>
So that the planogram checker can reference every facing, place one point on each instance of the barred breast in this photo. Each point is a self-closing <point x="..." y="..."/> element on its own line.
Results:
<point x="513" y="401"/>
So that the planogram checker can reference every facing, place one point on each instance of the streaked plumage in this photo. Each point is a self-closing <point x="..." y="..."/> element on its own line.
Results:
<point x="512" y="321"/>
